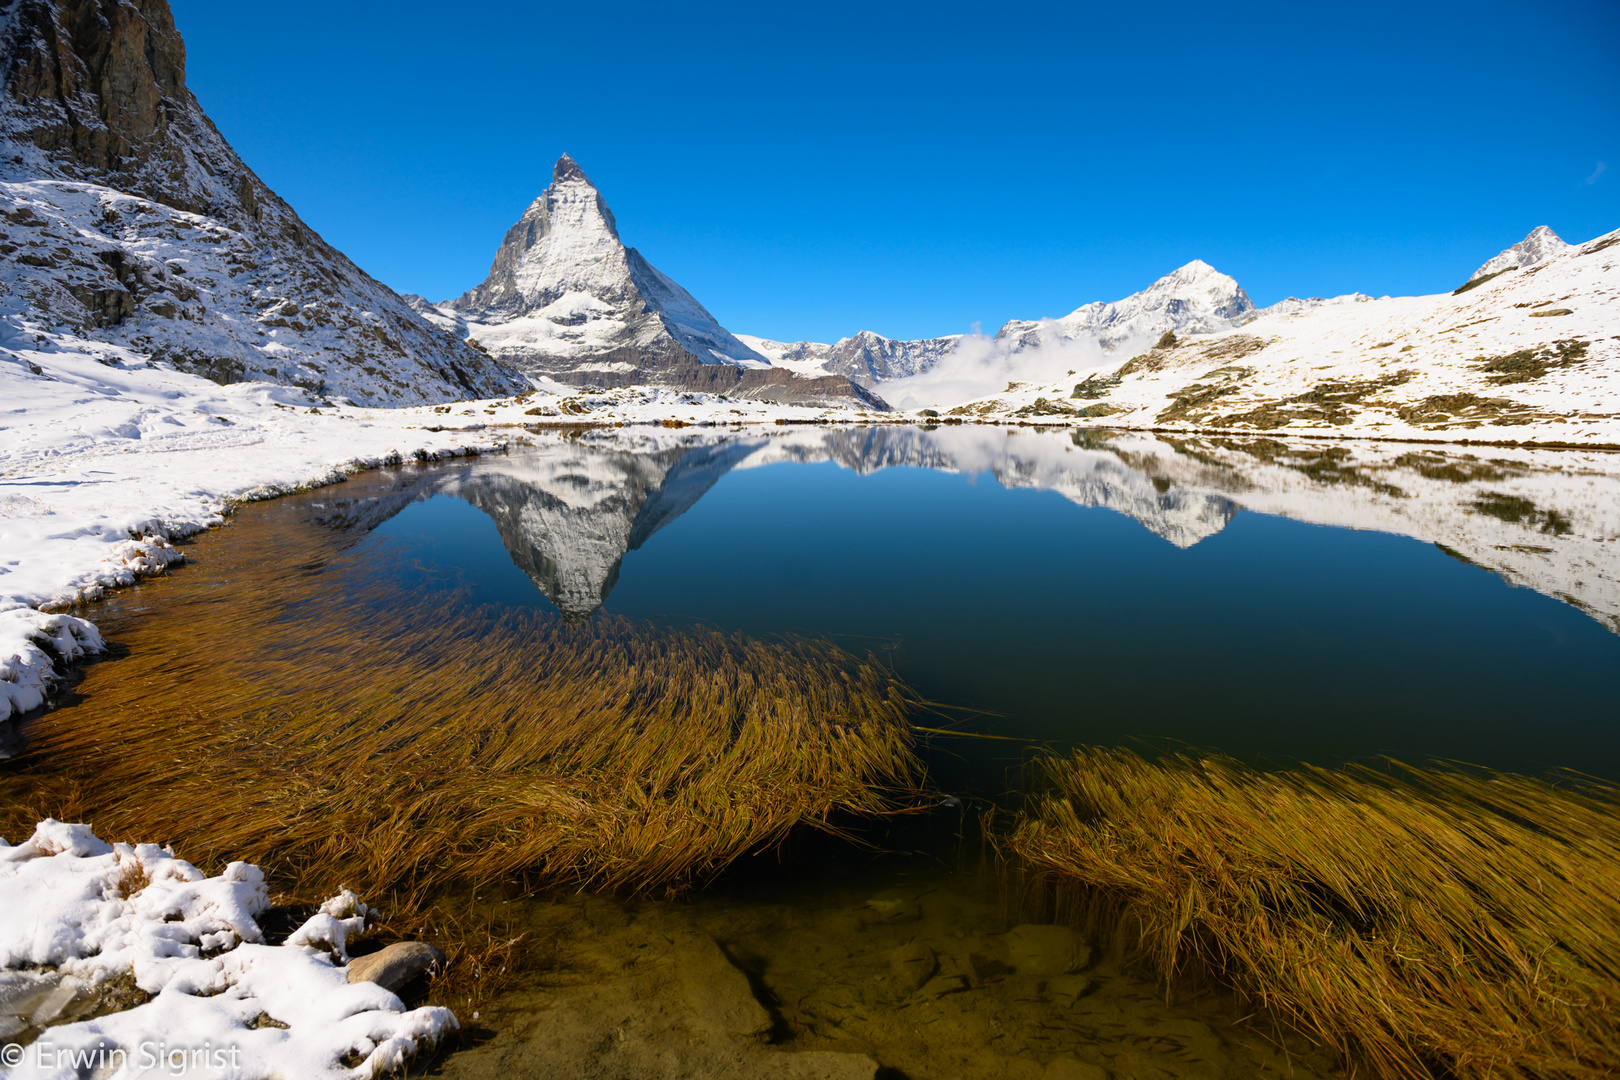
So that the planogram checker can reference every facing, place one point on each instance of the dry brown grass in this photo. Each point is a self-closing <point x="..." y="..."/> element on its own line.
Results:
<point x="308" y="718"/>
<point x="1422" y="923"/>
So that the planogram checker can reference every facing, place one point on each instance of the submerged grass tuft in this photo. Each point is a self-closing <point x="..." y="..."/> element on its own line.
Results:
<point x="1421" y="923"/>
<point x="335" y="732"/>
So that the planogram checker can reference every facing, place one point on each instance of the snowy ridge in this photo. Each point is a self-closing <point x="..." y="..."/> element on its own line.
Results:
<point x="1293" y="305"/>
<point x="138" y="227"/>
<point x="1530" y="355"/>
<point x="82" y="912"/>
<point x="867" y="358"/>
<point x="1195" y="298"/>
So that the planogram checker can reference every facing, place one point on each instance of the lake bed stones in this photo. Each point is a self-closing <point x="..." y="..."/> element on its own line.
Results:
<point x="397" y="965"/>
<point x="718" y="991"/>
<point x="1046" y="950"/>
<point x="913" y="965"/>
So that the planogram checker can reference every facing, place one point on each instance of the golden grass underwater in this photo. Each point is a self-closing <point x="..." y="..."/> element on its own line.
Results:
<point x="298" y="714"/>
<point x="1420" y="922"/>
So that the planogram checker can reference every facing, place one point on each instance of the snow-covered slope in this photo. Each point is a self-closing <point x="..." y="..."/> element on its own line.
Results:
<point x="128" y="221"/>
<point x="1530" y="354"/>
<point x="566" y="299"/>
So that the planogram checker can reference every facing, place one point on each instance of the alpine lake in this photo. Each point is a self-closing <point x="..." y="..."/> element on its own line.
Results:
<point x="1007" y="592"/>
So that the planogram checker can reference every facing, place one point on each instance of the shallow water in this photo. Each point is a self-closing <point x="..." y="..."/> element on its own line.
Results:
<point x="1274" y="601"/>
<point x="899" y="962"/>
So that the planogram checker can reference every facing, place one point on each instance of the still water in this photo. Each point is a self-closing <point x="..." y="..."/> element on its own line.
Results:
<point x="1278" y="602"/>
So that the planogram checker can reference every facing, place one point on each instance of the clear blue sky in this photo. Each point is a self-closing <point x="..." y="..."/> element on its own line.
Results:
<point x="810" y="170"/>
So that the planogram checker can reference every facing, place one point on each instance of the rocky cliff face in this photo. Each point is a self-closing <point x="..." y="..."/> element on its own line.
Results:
<point x="566" y="299"/>
<point x="130" y="222"/>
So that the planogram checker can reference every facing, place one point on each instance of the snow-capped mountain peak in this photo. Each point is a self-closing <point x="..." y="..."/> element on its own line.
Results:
<point x="1196" y="298"/>
<point x="564" y="294"/>
<point x="1536" y="248"/>
<point x="565" y="298"/>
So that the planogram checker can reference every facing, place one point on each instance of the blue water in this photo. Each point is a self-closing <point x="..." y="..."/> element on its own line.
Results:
<point x="1041" y="619"/>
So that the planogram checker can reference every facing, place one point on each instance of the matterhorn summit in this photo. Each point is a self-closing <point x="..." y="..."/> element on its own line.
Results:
<point x="566" y="299"/>
<point x="1196" y="298"/>
<point x="1541" y="245"/>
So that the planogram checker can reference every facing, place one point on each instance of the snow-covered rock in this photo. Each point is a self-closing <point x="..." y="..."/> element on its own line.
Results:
<point x="89" y="912"/>
<point x="127" y="220"/>
<point x="1542" y="244"/>
<point x="32" y="643"/>
<point x="565" y="298"/>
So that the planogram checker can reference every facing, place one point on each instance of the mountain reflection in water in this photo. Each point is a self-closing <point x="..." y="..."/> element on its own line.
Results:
<point x="568" y="509"/>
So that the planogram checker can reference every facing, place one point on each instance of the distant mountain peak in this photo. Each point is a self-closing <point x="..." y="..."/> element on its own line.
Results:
<point x="1194" y="297"/>
<point x="1540" y="245"/>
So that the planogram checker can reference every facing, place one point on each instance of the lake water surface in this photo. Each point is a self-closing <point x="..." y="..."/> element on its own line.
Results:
<point x="1275" y="602"/>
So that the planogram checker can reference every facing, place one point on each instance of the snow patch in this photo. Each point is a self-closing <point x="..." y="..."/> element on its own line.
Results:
<point x="90" y="912"/>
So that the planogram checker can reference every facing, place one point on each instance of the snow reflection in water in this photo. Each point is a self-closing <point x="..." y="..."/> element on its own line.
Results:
<point x="1210" y="613"/>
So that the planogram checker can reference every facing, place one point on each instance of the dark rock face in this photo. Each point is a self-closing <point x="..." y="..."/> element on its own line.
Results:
<point x="95" y="94"/>
<point x="103" y="89"/>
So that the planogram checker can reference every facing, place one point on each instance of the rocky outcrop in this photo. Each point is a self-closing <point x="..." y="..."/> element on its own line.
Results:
<point x="565" y="298"/>
<point x="130" y="221"/>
